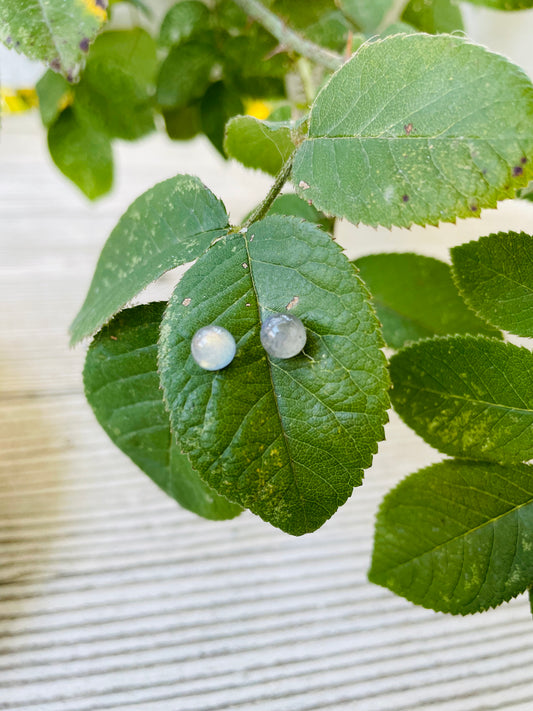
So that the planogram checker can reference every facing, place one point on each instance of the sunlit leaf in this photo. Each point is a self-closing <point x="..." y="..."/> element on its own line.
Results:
<point x="287" y="439"/>
<point x="418" y="129"/>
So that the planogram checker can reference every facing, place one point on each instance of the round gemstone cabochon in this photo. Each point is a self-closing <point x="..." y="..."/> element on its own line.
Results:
<point x="283" y="335"/>
<point x="213" y="347"/>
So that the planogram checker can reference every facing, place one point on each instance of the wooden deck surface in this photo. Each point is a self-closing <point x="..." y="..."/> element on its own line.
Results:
<point x="112" y="597"/>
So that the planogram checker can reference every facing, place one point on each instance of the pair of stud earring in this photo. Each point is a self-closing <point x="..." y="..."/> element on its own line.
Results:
<point x="282" y="336"/>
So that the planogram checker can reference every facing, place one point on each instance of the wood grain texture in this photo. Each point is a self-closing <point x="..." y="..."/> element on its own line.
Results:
<point x="111" y="597"/>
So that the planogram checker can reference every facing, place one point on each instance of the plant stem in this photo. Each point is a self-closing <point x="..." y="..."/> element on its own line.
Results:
<point x="287" y="37"/>
<point x="306" y="77"/>
<point x="274" y="191"/>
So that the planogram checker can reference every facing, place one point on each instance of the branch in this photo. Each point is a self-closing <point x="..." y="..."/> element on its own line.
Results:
<point x="287" y="37"/>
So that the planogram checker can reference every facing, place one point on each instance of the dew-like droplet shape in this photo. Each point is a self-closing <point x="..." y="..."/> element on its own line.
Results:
<point x="213" y="347"/>
<point x="283" y="335"/>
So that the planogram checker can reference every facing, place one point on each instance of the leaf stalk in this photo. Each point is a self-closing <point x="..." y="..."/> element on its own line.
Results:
<point x="281" y="178"/>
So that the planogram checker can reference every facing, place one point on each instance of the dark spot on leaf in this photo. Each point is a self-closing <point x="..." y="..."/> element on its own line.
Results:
<point x="484" y="171"/>
<point x="9" y="40"/>
<point x="408" y="128"/>
<point x="70" y="78"/>
<point x="405" y="198"/>
<point x="84" y="44"/>
<point x="55" y="64"/>
<point x="517" y="170"/>
<point x="474" y="208"/>
<point x="523" y="160"/>
<point x="101" y="3"/>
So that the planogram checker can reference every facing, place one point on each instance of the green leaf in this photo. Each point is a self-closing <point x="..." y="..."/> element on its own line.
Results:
<point x="114" y="93"/>
<point x="54" y="94"/>
<point x="183" y="124"/>
<point x="530" y="594"/>
<point x="433" y="16"/>
<point x="230" y="17"/>
<point x="54" y="32"/>
<point x="457" y="537"/>
<point x="122" y="387"/>
<point x="185" y="74"/>
<point x="183" y="21"/>
<point x="417" y="129"/>
<point x="264" y="145"/>
<point x="82" y="154"/>
<point x="495" y="277"/>
<point x="415" y="297"/>
<point x="468" y="397"/>
<point x="170" y="224"/>
<point x="397" y="28"/>
<point x="291" y="204"/>
<point x="287" y="439"/>
<point x="253" y="56"/>
<point x="503" y="4"/>
<point x="368" y="15"/>
<point x="133" y="51"/>
<point x="218" y="105"/>
<point x="318" y="20"/>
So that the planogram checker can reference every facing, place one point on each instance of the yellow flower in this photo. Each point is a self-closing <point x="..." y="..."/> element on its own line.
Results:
<point x="14" y="101"/>
<point x="257" y="108"/>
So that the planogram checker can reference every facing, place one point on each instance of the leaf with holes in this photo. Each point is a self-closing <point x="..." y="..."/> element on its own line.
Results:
<point x="495" y="277"/>
<point x="264" y="145"/>
<point x="468" y="397"/>
<point x="417" y="129"/>
<point x="415" y="298"/>
<point x="122" y="387"/>
<point x="288" y="439"/>
<point x="457" y="537"/>
<point x="54" y="32"/>
<point x="170" y="224"/>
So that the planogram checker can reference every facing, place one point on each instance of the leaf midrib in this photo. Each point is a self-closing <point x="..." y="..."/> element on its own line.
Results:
<point x="435" y="137"/>
<point x="502" y="275"/>
<point x="469" y="532"/>
<point x="49" y="27"/>
<point x="285" y="438"/>
<point x="453" y="396"/>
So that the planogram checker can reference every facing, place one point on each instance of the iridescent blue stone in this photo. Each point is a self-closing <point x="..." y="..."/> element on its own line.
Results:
<point x="283" y="335"/>
<point x="213" y="347"/>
